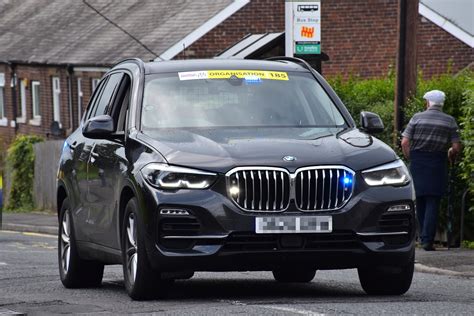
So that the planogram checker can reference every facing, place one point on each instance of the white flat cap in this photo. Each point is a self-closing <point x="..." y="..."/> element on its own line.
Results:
<point x="435" y="97"/>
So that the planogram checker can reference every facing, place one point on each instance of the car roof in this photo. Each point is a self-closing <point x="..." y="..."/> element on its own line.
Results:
<point x="220" y="64"/>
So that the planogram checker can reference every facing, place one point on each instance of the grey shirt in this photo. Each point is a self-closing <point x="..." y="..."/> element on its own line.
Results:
<point x="432" y="130"/>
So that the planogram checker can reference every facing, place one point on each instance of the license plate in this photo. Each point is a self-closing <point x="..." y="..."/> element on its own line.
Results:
<point x="293" y="224"/>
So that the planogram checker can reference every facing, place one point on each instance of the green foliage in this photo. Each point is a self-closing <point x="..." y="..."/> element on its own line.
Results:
<point x="378" y="95"/>
<point x="21" y="160"/>
<point x="468" y="244"/>
<point x="456" y="104"/>
<point x="375" y="95"/>
<point x="453" y="86"/>
<point x="2" y="154"/>
<point x="467" y="134"/>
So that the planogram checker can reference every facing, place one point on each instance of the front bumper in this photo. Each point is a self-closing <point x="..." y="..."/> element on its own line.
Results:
<point x="218" y="236"/>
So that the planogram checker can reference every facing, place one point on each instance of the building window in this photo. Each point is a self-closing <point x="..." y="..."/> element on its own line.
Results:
<point x="95" y="83"/>
<point x="79" y="100"/>
<point x="35" y="100"/>
<point x="22" y="115"/>
<point x="3" y="119"/>
<point x="56" y="100"/>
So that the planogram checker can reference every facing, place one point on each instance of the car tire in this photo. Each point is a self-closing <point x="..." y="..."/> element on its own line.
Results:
<point x="74" y="271"/>
<point x="380" y="280"/>
<point x="142" y="282"/>
<point x="294" y="276"/>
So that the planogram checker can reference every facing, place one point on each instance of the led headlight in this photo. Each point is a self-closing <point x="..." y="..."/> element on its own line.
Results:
<point x="394" y="173"/>
<point x="164" y="176"/>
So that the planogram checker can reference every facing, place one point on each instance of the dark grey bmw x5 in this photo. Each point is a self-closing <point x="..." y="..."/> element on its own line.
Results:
<point x="230" y="165"/>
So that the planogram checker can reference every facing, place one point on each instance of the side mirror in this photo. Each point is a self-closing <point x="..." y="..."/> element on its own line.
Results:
<point x="371" y="122"/>
<point x="101" y="126"/>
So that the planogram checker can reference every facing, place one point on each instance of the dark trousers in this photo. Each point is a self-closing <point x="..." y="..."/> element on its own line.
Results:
<point x="427" y="211"/>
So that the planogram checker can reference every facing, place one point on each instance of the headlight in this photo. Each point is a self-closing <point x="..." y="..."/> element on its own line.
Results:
<point x="394" y="173"/>
<point x="164" y="176"/>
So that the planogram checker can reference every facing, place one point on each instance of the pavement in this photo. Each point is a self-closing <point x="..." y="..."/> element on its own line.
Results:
<point x="452" y="262"/>
<point x="30" y="222"/>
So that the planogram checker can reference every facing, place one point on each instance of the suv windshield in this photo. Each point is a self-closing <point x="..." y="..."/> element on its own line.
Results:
<point x="237" y="98"/>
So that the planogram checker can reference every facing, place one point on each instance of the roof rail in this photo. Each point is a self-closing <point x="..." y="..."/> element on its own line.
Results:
<point x="295" y="60"/>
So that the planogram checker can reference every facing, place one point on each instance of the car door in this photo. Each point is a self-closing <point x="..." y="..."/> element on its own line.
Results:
<point x="104" y="169"/>
<point x="81" y="148"/>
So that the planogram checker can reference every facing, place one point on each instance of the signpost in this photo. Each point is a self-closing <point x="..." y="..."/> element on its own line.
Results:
<point x="302" y="27"/>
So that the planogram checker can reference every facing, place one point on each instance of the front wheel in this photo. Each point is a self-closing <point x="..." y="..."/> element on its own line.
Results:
<point x="141" y="280"/>
<point x="296" y="276"/>
<point x="381" y="280"/>
<point x="74" y="271"/>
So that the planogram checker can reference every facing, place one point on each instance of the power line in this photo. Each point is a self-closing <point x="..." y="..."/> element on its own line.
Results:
<point x="120" y="28"/>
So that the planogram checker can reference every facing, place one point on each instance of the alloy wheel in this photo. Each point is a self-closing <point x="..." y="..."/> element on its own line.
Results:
<point x="131" y="247"/>
<point x="66" y="241"/>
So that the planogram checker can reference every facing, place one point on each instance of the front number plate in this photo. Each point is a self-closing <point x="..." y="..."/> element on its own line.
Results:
<point x="292" y="224"/>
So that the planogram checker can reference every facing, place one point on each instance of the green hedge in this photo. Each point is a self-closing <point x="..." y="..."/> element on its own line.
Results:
<point x="21" y="161"/>
<point x="467" y="134"/>
<point x="377" y="95"/>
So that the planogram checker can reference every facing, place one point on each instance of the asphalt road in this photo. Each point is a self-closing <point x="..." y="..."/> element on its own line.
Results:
<point x="29" y="283"/>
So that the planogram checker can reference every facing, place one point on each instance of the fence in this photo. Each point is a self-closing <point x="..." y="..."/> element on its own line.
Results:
<point x="47" y="156"/>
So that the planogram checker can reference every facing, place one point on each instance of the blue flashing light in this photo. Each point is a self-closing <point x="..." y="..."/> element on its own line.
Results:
<point x="347" y="180"/>
<point x="252" y="80"/>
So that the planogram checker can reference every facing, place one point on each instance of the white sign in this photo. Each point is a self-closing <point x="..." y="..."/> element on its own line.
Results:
<point x="303" y="27"/>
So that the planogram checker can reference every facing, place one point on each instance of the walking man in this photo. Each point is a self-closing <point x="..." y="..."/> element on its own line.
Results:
<point x="425" y="143"/>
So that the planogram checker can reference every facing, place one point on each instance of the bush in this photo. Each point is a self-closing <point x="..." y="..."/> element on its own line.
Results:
<point x="467" y="134"/>
<point x="21" y="160"/>
<point x="378" y="95"/>
<point x="468" y="244"/>
<point x="374" y="95"/>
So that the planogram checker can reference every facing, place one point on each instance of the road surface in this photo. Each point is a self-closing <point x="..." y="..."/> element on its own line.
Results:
<point x="29" y="283"/>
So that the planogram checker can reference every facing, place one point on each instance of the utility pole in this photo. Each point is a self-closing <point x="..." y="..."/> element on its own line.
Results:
<point x="406" y="61"/>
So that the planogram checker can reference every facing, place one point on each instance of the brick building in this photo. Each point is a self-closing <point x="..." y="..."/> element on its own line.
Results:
<point x="53" y="52"/>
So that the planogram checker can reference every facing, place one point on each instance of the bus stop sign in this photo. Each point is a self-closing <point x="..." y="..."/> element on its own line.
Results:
<point x="303" y="27"/>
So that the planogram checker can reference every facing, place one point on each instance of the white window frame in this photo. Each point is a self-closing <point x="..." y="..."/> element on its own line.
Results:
<point x="22" y="117"/>
<point x="36" y="103"/>
<point x="56" y="89"/>
<point x="80" y="96"/>
<point x="94" y="84"/>
<point x="3" y="117"/>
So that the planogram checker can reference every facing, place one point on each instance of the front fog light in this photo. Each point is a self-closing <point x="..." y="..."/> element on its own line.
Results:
<point x="234" y="191"/>
<point x="172" y="211"/>
<point x="399" y="208"/>
<point x="394" y="173"/>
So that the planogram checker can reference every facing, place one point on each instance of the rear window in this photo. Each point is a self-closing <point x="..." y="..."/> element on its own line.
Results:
<point x="237" y="98"/>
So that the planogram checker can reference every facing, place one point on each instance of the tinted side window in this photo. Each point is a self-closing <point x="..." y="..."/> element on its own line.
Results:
<point x="120" y="103"/>
<point x="109" y="91"/>
<point x="91" y="108"/>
